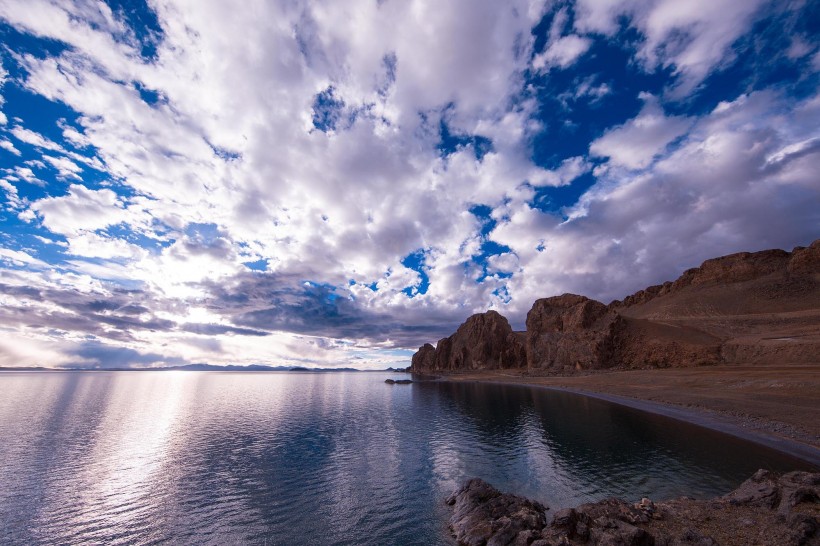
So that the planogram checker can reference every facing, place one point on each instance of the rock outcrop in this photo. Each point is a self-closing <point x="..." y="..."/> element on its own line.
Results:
<point x="764" y="510"/>
<point x="484" y="342"/>
<point x="482" y="515"/>
<point x="571" y="332"/>
<point x="745" y="308"/>
<point x="735" y="268"/>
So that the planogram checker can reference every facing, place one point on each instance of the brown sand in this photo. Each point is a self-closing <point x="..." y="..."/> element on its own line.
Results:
<point x="775" y="405"/>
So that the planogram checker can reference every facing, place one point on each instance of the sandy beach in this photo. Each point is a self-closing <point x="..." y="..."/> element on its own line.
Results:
<point x="778" y="406"/>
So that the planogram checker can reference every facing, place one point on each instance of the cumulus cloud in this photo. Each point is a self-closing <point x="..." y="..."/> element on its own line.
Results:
<point x="9" y="147"/>
<point x="18" y="257"/>
<point x="634" y="144"/>
<point x="3" y="76"/>
<point x="80" y="210"/>
<point x="741" y="178"/>
<point x="562" y="52"/>
<point x="320" y="181"/>
<point x="691" y="37"/>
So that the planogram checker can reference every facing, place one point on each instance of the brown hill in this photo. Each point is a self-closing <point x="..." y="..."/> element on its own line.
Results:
<point x="745" y="308"/>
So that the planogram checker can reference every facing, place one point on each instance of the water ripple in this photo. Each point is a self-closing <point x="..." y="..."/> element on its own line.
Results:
<point x="343" y="459"/>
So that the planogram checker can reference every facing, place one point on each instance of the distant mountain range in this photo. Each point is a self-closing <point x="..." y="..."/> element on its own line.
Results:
<point x="208" y="368"/>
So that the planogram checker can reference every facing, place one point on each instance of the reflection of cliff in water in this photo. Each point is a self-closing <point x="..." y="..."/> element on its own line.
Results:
<point x="594" y="440"/>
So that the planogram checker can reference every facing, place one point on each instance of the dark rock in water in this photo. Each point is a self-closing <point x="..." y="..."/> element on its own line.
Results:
<point x="482" y="515"/>
<point x="398" y="381"/>
<point x="766" y="509"/>
<point x="390" y="381"/>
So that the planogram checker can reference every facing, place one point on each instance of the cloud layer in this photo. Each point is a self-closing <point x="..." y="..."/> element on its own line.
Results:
<point x="321" y="183"/>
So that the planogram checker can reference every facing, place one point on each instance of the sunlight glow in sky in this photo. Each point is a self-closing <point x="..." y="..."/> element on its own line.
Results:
<point x="335" y="183"/>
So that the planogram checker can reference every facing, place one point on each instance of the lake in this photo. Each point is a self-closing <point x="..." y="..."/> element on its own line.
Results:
<point x="320" y="458"/>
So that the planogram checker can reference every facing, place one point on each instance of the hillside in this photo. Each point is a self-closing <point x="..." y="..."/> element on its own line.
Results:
<point x="759" y="308"/>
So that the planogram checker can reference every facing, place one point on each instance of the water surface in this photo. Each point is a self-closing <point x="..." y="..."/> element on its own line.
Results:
<point x="318" y="458"/>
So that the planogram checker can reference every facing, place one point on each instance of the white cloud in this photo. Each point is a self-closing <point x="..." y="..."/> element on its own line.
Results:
<point x="744" y="177"/>
<point x="92" y="245"/>
<point x="562" y="53"/>
<point x="35" y="139"/>
<point x="3" y="76"/>
<point x="25" y="174"/>
<point x="19" y="258"/>
<point x="231" y="145"/>
<point x="799" y="48"/>
<point x="634" y="144"/>
<point x="12" y="197"/>
<point x="693" y="37"/>
<point x="9" y="147"/>
<point x="589" y="88"/>
<point x="65" y="167"/>
<point x="569" y="170"/>
<point x="82" y="209"/>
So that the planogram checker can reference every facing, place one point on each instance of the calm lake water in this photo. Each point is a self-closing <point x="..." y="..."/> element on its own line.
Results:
<point x="310" y="458"/>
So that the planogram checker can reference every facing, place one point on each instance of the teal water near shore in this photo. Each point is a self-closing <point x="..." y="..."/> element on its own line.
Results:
<point x="333" y="458"/>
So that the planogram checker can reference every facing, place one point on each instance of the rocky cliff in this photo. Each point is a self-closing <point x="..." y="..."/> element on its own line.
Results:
<point x="571" y="331"/>
<point x="761" y="307"/>
<point x="484" y="342"/>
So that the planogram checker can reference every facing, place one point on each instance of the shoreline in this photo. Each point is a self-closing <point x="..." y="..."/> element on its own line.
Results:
<point x="798" y="450"/>
<point x="753" y="428"/>
<point x="763" y="510"/>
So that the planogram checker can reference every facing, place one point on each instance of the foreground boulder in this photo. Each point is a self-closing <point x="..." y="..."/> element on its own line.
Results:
<point x="765" y="510"/>
<point x="482" y="515"/>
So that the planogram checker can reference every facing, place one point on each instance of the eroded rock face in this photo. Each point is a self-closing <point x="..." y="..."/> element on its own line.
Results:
<point x="484" y="342"/>
<point x="766" y="509"/>
<point x="742" y="308"/>
<point x="571" y="332"/>
<point x="739" y="267"/>
<point x="424" y="359"/>
<point x="783" y="493"/>
<point x="482" y="515"/>
<point x="806" y="260"/>
<point x="735" y="268"/>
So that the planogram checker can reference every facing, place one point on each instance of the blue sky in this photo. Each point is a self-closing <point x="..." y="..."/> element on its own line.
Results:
<point x="327" y="183"/>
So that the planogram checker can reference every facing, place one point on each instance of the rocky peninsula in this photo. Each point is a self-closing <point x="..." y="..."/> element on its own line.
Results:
<point x="745" y="308"/>
<point x="737" y="338"/>
<point x="765" y="510"/>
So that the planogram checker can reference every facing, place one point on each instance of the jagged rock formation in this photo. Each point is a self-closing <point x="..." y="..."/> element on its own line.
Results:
<point x="571" y="331"/>
<point x="764" y="510"/>
<point x="484" y="342"/>
<point x="482" y="515"/>
<point x="749" y="308"/>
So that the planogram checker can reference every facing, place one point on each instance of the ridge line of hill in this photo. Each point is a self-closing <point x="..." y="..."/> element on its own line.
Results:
<point x="752" y="308"/>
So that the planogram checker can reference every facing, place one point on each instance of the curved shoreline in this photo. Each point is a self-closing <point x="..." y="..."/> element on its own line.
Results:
<point x="796" y="449"/>
<point x="699" y="417"/>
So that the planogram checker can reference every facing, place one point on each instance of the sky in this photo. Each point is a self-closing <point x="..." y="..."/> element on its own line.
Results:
<point x="334" y="183"/>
